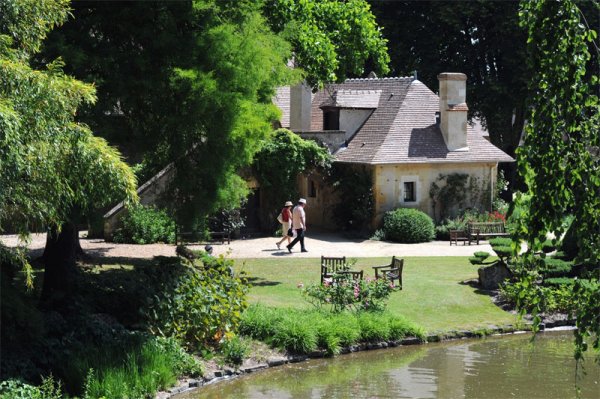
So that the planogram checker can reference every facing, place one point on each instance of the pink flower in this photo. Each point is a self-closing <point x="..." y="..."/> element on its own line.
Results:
<point x="392" y="284"/>
<point x="356" y="291"/>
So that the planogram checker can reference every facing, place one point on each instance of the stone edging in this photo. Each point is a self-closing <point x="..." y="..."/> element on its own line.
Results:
<point x="492" y="330"/>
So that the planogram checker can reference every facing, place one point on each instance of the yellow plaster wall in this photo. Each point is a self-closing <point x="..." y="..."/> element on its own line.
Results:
<point x="388" y="178"/>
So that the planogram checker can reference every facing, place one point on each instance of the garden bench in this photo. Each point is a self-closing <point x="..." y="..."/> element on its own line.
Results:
<point x="459" y="235"/>
<point x="332" y="265"/>
<point x="189" y="236"/>
<point x="483" y="230"/>
<point x="391" y="272"/>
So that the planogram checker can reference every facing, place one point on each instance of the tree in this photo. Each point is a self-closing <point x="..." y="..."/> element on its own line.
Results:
<point x="482" y="39"/>
<point x="560" y="159"/>
<point x="280" y="161"/>
<point x="331" y="39"/>
<point x="50" y="165"/>
<point x="192" y="81"/>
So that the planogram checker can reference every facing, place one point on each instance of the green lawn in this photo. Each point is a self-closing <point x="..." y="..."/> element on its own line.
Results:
<point x="433" y="295"/>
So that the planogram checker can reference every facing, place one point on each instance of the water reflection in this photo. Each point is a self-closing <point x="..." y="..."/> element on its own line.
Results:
<point x="506" y="367"/>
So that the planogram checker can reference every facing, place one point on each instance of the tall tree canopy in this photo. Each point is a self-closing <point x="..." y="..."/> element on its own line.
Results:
<point x="482" y="39"/>
<point x="192" y="81"/>
<point x="560" y="159"/>
<point x="49" y="163"/>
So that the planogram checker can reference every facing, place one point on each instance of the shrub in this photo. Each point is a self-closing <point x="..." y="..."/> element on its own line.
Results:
<point x="13" y="389"/>
<point x="296" y="336"/>
<point x="408" y="226"/>
<point x="202" y="306"/>
<point x="548" y="246"/>
<point x="556" y="268"/>
<point x="234" y="350"/>
<point x="303" y="331"/>
<point x="558" y="281"/>
<point x="146" y="225"/>
<point x="344" y="293"/>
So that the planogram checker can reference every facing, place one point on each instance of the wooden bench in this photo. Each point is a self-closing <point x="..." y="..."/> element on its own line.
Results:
<point x="188" y="236"/>
<point x="332" y="265"/>
<point x="483" y="230"/>
<point x="459" y="235"/>
<point x="391" y="272"/>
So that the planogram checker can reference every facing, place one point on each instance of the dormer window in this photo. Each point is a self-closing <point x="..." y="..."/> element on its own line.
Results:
<point x="331" y="119"/>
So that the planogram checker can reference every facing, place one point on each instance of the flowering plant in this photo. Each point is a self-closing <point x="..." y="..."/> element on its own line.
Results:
<point x="342" y="292"/>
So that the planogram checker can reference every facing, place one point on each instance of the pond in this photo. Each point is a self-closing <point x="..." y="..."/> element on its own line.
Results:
<point x="496" y="367"/>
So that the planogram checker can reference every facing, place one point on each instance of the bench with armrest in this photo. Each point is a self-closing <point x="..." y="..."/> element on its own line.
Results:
<point x="188" y="236"/>
<point x="459" y="235"/>
<point x="484" y="230"/>
<point x="332" y="265"/>
<point x="391" y="272"/>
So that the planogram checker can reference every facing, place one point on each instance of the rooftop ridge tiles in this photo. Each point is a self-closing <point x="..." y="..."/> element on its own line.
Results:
<point x="386" y="78"/>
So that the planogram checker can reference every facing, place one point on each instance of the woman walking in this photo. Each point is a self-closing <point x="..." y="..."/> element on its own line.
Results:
<point x="285" y="217"/>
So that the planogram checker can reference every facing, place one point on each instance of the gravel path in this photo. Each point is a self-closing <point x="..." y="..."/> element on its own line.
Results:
<point x="317" y="243"/>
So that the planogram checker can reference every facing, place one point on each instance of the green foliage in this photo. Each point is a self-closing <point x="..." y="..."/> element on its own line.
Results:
<point x="280" y="160"/>
<point x="331" y="39"/>
<point x="145" y="370"/>
<point x="343" y="293"/>
<point x="14" y="389"/>
<point x="202" y="306"/>
<point x="548" y="246"/>
<point x="408" y="226"/>
<point x="146" y="225"/>
<point x="560" y="161"/>
<point x="303" y="331"/>
<point x="556" y="268"/>
<point x="354" y="188"/>
<point x="437" y="36"/>
<point x="479" y="257"/>
<point x="234" y="350"/>
<point x="49" y="162"/>
<point x="500" y="242"/>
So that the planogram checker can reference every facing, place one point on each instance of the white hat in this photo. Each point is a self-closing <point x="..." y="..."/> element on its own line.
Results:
<point x="288" y="203"/>
<point x="302" y="201"/>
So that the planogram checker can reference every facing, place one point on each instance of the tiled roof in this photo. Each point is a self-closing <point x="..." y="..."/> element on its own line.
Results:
<point x="402" y="129"/>
<point x="353" y="99"/>
<point x="282" y="101"/>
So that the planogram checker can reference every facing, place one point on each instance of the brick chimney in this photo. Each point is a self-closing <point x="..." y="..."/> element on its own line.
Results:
<point x="453" y="110"/>
<point x="300" y="108"/>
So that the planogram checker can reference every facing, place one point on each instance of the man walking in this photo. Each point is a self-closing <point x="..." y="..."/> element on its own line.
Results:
<point x="299" y="224"/>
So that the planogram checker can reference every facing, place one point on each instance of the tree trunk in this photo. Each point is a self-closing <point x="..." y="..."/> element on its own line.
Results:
<point x="60" y="256"/>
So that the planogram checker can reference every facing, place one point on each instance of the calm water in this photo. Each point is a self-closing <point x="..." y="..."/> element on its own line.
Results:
<point x="497" y="367"/>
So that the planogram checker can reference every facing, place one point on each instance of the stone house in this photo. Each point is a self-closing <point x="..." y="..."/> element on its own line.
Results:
<point x="406" y="137"/>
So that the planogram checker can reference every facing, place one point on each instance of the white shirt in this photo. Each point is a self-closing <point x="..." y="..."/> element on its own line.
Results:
<point x="298" y="218"/>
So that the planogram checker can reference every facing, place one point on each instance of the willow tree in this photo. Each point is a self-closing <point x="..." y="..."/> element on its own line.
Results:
<point x="560" y="159"/>
<point x="51" y="166"/>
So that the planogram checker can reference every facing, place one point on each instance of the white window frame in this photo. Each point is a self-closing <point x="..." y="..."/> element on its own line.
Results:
<point x="410" y="179"/>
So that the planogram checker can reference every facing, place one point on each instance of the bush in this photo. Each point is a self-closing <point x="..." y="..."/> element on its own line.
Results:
<point x="145" y="225"/>
<point x="556" y="268"/>
<point x="203" y="305"/>
<point x="303" y="331"/>
<point x="344" y="293"/>
<point x="13" y="389"/>
<point x="408" y="226"/>
<point x="234" y="350"/>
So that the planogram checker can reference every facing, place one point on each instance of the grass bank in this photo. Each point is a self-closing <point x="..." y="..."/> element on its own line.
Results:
<point x="435" y="295"/>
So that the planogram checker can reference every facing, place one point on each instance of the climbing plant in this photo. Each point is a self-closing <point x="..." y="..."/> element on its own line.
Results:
<point x="279" y="162"/>
<point x="559" y="160"/>
<point x="456" y="191"/>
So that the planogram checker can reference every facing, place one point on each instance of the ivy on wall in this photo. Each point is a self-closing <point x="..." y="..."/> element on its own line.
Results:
<point x="454" y="192"/>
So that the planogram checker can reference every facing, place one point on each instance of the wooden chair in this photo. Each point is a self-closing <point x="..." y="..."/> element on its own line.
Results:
<point x="391" y="272"/>
<point x="329" y="266"/>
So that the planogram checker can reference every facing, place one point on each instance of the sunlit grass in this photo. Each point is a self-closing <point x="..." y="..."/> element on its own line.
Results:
<point x="434" y="295"/>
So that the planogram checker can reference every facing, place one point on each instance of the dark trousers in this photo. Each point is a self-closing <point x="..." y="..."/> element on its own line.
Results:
<point x="299" y="237"/>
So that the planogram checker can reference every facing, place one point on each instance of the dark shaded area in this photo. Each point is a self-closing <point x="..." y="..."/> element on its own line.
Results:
<point x="103" y="319"/>
<point x="261" y="282"/>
